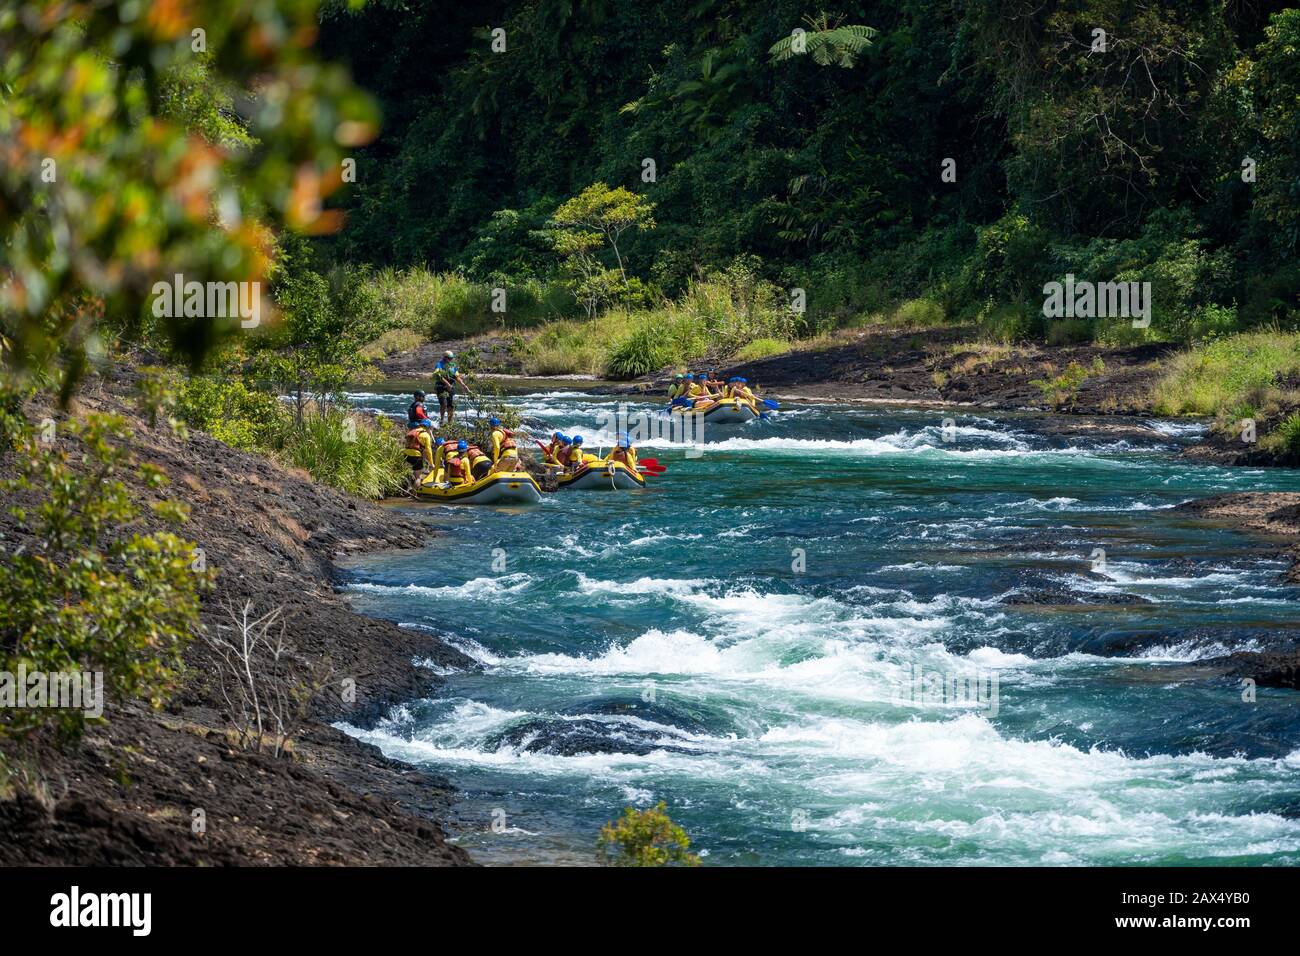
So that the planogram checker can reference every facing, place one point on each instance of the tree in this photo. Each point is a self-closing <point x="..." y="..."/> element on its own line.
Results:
<point x="828" y="42"/>
<point x="593" y="284"/>
<point x="123" y="162"/>
<point x="1275" y="80"/>
<point x="607" y="212"/>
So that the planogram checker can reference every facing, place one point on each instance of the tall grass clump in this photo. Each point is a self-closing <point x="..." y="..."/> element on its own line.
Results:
<point x="1234" y="375"/>
<point x="568" y="347"/>
<point x="919" y="313"/>
<point x="639" y="354"/>
<point x="359" y="455"/>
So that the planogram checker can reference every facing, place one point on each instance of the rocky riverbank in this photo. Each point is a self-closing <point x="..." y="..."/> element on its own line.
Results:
<point x="127" y="792"/>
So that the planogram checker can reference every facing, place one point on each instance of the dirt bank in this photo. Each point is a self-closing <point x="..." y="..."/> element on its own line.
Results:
<point x="128" y="792"/>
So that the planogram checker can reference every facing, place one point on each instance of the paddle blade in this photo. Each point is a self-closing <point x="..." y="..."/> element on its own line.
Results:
<point x="770" y="403"/>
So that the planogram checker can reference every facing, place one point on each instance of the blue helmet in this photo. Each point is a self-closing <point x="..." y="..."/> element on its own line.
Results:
<point x="557" y="436"/>
<point x="744" y="381"/>
<point x="494" y="421"/>
<point x="425" y="423"/>
<point x="577" y="439"/>
<point x="440" y="441"/>
<point x="462" y="445"/>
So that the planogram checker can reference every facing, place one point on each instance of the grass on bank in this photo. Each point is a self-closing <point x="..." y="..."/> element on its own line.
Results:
<point x="1254" y="375"/>
<point x="355" y="453"/>
<point x="1240" y="376"/>
<point x="718" y="316"/>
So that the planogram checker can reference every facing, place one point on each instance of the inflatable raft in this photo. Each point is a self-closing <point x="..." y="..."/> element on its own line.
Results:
<point x="502" y="488"/>
<point x="602" y="476"/>
<point x="725" y="411"/>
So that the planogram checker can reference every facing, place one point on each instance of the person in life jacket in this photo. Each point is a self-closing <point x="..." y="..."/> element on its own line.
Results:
<point x="700" y="395"/>
<point x="439" y="470"/>
<point x="479" y="463"/>
<point x="624" y="452"/>
<point x="714" y="384"/>
<point x="415" y="412"/>
<point x="458" y="466"/>
<point x="420" y="437"/>
<point x="446" y="375"/>
<point x="678" y="387"/>
<point x="500" y="436"/>
<point x="742" y="393"/>
<point x="554" y="451"/>
<point x="575" y="459"/>
<point x="505" y="452"/>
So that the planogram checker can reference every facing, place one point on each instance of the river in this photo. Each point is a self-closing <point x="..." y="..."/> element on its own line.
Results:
<point x="859" y="636"/>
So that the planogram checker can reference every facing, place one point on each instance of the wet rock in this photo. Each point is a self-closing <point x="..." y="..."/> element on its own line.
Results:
<point x="1267" y="669"/>
<point x="1063" y="597"/>
<point x="568" y="738"/>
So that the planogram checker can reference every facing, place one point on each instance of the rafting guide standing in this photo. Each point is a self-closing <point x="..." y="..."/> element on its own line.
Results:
<point x="446" y="376"/>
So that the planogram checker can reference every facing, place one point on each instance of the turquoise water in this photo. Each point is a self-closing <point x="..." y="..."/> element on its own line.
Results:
<point x="763" y="639"/>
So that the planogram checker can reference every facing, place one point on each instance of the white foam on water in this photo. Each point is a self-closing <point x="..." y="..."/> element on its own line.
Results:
<point x="477" y="588"/>
<point x="1136" y="578"/>
<point x="639" y="587"/>
<point x="1178" y="429"/>
<point x="1188" y="651"/>
<point x="997" y="659"/>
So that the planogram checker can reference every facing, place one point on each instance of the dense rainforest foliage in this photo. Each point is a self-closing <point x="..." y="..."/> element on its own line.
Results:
<point x="969" y="153"/>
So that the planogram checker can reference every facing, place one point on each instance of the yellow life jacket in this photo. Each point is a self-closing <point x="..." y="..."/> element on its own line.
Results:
<point x="458" y="470"/>
<point x="626" y="456"/>
<point x="501" y="440"/>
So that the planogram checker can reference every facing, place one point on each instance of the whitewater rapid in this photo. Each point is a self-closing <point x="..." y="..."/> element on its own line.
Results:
<point x="666" y="646"/>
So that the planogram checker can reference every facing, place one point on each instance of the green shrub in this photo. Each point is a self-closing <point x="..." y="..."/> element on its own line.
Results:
<point x="231" y="412"/>
<point x="762" y="348"/>
<point x="1063" y="389"/>
<point x="82" y="594"/>
<point x="645" y="838"/>
<point x="922" y="313"/>
<point x="1068" y="331"/>
<point x="1008" y="324"/>
<point x="1286" y="436"/>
